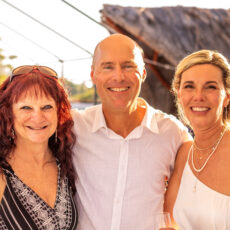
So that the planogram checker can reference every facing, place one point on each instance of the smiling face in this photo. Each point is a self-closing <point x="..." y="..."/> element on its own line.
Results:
<point x="35" y="118"/>
<point x="202" y="95"/>
<point x="118" y="71"/>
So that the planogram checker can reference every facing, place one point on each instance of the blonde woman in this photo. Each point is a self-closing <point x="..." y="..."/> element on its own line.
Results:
<point x="198" y="195"/>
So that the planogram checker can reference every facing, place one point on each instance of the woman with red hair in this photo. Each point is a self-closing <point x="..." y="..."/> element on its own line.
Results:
<point x="36" y="140"/>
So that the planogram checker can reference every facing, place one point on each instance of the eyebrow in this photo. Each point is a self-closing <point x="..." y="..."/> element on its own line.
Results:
<point x="112" y="63"/>
<point x="107" y="63"/>
<point x="128" y="62"/>
<point x="208" y="82"/>
<point x="185" y="82"/>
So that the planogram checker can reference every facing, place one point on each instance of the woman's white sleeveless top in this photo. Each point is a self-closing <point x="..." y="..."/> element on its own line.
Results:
<point x="202" y="209"/>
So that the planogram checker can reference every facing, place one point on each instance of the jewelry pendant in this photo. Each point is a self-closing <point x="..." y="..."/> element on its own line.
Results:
<point x="194" y="188"/>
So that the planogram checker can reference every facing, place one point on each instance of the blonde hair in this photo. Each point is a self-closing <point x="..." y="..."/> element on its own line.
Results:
<point x="197" y="58"/>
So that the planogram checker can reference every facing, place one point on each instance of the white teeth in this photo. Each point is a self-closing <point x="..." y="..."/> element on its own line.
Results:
<point x="119" y="89"/>
<point x="199" y="109"/>
<point x="37" y="128"/>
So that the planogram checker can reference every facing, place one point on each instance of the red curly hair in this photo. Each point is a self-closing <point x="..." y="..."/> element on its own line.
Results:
<point x="40" y="83"/>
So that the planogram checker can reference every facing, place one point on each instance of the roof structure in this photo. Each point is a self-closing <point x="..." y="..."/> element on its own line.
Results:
<point x="167" y="34"/>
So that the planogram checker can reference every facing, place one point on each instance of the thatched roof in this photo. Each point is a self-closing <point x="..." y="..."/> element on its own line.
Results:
<point x="167" y="34"/>
<point x="174" y="31"/>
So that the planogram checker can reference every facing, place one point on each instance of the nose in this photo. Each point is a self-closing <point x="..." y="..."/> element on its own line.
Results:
<point x="37" y="115"/>
<point x="199" y="95"/>
<point x="119" y="74"/>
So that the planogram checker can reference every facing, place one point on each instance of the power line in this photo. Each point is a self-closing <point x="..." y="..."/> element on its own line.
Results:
<point x="33" y="42"/>
<point x="165" y="66"/>
<point x="86" y="15"/>
<point x="70" y="60"/>
<point x="89" y="17"/>
<point x="47" y="27"/>
<point x="43" y="48"/>
<point x="78" y="59"/>
<point x="28" y="57"/>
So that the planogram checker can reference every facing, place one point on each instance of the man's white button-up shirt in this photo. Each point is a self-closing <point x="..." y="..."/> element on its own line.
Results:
<point x="120" y="181"/>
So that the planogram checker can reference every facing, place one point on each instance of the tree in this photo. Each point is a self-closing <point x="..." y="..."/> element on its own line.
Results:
<point x="70" y="87"/>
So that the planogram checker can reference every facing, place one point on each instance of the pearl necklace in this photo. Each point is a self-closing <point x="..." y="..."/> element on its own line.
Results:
<point x="213" y="151"/>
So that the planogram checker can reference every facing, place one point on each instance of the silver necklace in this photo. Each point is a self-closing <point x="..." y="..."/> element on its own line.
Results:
<point x="213" y="151"/>
<point x="202" y="149"/>
<point x="211" y="147"/>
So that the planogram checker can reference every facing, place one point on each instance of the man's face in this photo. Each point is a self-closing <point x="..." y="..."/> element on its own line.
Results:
<point x="118" y="71"/>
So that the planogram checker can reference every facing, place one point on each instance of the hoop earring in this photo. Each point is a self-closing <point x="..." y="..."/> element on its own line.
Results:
<point x="56" y="137"/>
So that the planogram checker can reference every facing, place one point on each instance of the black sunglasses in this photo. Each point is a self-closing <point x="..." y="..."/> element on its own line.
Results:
<point x="25" y="69"/>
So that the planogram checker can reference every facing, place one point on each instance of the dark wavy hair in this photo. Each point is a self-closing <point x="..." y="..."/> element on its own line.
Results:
<point x="39" y="83"/>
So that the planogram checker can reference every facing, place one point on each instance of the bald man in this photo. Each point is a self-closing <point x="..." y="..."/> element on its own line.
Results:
<point x="125" y="148"/>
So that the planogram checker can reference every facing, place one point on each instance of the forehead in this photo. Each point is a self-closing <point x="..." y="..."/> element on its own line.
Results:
<point x="118" y="51"/>
<point x="34" y="95"/>
<point x="203" y="72"/>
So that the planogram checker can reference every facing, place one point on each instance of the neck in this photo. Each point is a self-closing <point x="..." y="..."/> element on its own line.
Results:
<point x="33" y="154"/>
<point x="123" y="122"/>
<point x="206" y="138"/>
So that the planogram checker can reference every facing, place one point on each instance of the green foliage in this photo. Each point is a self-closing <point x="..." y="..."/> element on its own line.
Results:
<point x="69" y="86"/>
<point x="86" y="96"/>
<point x="12" y="57"/>
<point x="78" y="92"/>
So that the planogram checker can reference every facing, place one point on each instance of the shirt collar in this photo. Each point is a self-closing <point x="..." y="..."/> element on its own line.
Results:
<point x="149" y="120"/>
<point x="99" y="120"/>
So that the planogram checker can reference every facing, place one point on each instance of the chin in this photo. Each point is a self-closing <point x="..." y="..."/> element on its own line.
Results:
<point x="39" y="140"/>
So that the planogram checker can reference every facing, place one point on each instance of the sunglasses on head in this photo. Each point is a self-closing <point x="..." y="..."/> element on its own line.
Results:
<point x="26" y="69"/>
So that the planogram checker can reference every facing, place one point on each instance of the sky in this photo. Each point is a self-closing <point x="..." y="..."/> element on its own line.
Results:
<point x="59" y="36"/>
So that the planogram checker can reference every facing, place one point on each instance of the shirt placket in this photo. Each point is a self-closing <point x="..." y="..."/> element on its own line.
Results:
<point x="120" y="187"/>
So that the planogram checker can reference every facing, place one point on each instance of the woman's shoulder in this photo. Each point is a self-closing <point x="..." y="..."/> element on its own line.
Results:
<point x="185" y="146"/>
<point x="182" y="154"/>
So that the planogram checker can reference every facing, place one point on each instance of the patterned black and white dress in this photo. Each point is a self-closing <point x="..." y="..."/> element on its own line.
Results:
<point x="21" y="208"/>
